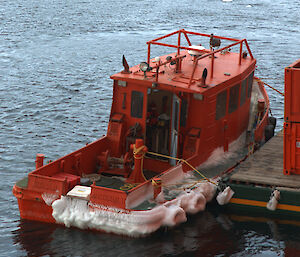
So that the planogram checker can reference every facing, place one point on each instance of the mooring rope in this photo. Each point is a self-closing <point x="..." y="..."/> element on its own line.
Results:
<point x="273" y="88"/>
<point x="187" y="163"/>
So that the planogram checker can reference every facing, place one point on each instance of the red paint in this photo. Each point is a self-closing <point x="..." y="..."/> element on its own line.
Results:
<point x="292" y="93"/>
<point x="39" y="162"/>
<point x="156" y="183"/>
<point x="291" y="153"/>
<point x="137" y="173"/>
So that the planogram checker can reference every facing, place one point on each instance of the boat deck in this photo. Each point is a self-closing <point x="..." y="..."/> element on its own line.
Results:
<point x="265" y="167"/>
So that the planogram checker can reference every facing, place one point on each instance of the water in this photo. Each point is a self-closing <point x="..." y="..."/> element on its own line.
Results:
<point x="55" y="94"/>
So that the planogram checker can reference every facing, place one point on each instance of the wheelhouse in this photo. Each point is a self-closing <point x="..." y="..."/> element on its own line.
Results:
<point x="185" y="104"/>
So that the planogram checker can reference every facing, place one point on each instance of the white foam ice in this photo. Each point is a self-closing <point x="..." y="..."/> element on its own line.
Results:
<point x="49" y="198"/>
<point x="225" y="196"/>
<point x="83" y="214"/>
<point x="219" y="157"/>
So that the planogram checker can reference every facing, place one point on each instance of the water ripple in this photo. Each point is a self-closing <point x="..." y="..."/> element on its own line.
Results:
<point x="56" y="58"/>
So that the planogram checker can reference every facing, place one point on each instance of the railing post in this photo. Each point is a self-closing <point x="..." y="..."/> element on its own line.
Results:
<point x="194" y="69"/>
<point x="178" y="64"/>
<point x="248" y="48"/>
<point x="241" y="49"/>
<point x="212" y="64"/>
<point x="148" y="58"/>
<point x="39" y="162"/>
<point x="186" y="37"/>
<point x="178" y="47"/>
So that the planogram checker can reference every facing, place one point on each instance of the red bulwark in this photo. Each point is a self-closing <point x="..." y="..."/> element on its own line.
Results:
<point x="72" y="180"/>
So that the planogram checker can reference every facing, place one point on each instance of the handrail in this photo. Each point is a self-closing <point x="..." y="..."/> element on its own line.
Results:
<point x="212" y="59"/>
<point x="207" y="52"/>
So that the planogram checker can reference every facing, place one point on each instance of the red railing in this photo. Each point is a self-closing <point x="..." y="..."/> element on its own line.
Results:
<point x="206" y="52"/>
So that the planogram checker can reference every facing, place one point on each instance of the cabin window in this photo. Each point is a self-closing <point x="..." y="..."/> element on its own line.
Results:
<point x="250" y="81"/>
<point x="183" y="112"/>
<point x="243" y="92"/>
<point x="221" y="105"/>
<point x="233" y="98"/>
<point x="137" y="102"/>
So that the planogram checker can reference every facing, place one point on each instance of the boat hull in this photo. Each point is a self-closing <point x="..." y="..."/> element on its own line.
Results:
<point x="254" y="199"/>
<point x="83" y="214"/>
<point x="32" y="206"/>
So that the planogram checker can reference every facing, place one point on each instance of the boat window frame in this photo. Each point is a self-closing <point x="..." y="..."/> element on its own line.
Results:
<point x="243" y="94"/>
<point x="234" y="94"/>
<point x="221" y="104"/>
<point x="250" y="83"/>
<point x="183" y="112"/>
<point x="137" y="104"/>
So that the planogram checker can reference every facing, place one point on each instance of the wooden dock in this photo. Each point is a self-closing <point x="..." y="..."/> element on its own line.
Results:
<point x="265" y="167"/>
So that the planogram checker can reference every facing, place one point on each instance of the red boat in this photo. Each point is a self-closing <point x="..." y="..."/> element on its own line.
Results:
<point x="177" y="121"/>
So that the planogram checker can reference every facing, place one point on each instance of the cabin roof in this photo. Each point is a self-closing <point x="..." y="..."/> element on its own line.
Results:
<point x="226" y="67"/>
<point x="189" y="63"/>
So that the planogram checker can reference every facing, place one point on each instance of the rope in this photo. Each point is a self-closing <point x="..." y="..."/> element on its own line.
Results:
<point x="250" y="149"/>
<point x="139" y="151"/>
<point x="191" y="184"/>
<point x="184" y="161"/>
<point x="127" y="186"/>
<point x="273" y="88"/>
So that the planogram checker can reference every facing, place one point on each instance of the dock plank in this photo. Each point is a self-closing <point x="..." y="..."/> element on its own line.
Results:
<point x="265" y="167"/>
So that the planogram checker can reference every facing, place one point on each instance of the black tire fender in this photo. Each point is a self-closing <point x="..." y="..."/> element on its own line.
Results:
<point x="272" y="121"/>
<point x="269" y="132"/>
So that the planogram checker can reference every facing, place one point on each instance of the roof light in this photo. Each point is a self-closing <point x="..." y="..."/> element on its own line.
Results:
<point x="198" y="96"/>
<point x="196" y="50"/>
<point x="144" y="66"/>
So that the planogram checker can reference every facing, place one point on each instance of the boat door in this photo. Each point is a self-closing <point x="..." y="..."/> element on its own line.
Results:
<point x="174" y="127"/>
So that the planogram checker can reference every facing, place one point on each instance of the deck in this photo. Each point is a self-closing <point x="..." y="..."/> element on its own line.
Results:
<point x="265" y="167"/>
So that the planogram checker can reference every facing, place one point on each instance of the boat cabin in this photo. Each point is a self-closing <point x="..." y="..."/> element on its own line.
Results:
<point x="185" y="104"/>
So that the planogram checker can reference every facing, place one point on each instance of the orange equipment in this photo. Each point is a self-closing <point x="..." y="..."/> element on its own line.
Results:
<point x="291" y="153"/>
<point x="139" y="150"/>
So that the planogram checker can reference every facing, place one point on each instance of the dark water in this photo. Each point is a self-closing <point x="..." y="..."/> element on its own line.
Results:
<point x="55" y="94"/>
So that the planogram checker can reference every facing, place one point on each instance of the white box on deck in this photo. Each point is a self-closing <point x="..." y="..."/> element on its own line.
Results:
<point x="82" y="192"/>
